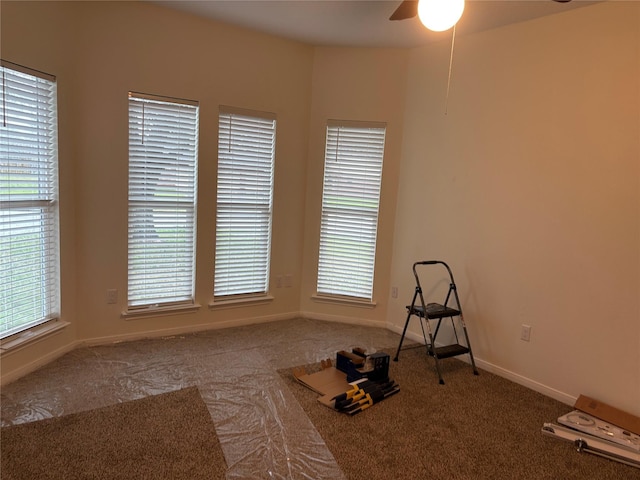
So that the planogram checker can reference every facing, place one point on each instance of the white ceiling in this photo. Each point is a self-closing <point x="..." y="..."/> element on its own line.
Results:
<point x="362" y="23"/>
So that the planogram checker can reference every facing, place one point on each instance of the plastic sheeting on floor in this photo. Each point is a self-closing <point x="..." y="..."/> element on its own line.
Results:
<point x="263" y="431"/>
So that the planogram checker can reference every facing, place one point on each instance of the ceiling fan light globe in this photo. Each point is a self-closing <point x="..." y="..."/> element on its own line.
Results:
<point x="440" y="15"/>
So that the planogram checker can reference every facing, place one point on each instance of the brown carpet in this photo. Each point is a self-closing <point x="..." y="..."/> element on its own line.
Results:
<point x="159" y="437"/>
<point x="473" y="427"/>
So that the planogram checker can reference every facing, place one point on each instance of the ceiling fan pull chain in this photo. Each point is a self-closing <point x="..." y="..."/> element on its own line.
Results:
<point x="453" y="38"/>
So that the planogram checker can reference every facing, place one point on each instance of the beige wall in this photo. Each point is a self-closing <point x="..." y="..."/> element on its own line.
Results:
<point x="354" y="84"/>
<point x="529" y="189"/>
<point x="132" y="46"/>
<point x="33" y="37"/>
<point x="100" y="51"/>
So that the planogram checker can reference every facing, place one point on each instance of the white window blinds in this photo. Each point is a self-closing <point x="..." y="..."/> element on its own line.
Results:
<point x="163" y="165"/>
<point x="350" y="199"/>
<point x="29" y="264"/>
<point x="246" y="153"/>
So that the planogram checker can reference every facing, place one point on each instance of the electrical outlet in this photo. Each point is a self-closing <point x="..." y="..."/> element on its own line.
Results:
<point x="394" y="292"/>
<point x="112" y="296"/>
<point x="525" y="333"/>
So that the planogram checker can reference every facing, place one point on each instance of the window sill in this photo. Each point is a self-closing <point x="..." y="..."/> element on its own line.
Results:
<point x="159" y="311"/>
<point x="35" y="334"/>
<point x="338" y="300"/>
<point x="240" y="301"/>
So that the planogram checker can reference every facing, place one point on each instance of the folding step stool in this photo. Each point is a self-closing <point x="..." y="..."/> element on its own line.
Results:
<point x="435" y="311"/>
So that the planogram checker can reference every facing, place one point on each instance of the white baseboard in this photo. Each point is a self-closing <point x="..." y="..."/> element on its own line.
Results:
<point x="502" y="372"/>
<point x="37" y="363"/>
<point x="342" y="319"/>
<point x="109" y="339"/>
<point x="409" y="335"/>
<point x="526" y="382"/>
<point x="499" y="371"/>
<point x="168" y="332"/>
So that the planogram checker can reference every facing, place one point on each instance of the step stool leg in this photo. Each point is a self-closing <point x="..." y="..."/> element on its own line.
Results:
<point x="406" y="324"/>
<point x="431" y="347"/>
<point x="466" y="336"/>
<point x="435" y="357"/>
<point x="404" y="330"/>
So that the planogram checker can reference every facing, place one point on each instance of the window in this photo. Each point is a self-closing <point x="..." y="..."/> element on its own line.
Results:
<point x="246" y="151"/>
<point x="29" y="259"/>
<point x="163" y="165"/>
<point x="350" y="199"/>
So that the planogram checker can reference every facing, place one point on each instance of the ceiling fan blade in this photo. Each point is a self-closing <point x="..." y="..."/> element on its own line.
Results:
<point x="407" y="9"/>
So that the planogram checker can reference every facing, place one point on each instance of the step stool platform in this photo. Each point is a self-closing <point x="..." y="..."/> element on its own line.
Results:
<point x="434" y="310"/>
<point x="450" y="351"/>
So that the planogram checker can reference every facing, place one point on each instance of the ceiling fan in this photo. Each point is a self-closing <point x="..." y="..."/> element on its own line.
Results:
<point x="448" y="11"/>
<point x="409" y="9"/>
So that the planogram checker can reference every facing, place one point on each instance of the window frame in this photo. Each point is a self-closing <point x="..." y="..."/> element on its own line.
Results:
<point x="342" y="226"/>
<point x="176" y="125"/>
<point x="38" y="160"/>
<point x="256" y="150"/>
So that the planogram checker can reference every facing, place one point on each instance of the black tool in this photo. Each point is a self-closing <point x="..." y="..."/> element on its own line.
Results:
<point x="366" y="386"/>
<point x="364" y="405"/>
<point x="368" y="394"/>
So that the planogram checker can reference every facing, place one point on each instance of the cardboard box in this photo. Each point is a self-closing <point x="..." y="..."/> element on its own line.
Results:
<point x="358" y="365"/>
<point x="328" y="382"/>
<point x="608" y="413"/>
<point x="369" y="372"/>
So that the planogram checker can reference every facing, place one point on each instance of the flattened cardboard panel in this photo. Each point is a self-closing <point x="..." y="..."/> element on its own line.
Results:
<point x="608" y="413"/>
<point x="328" y="382"/>
<point x="327" y="400"/>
